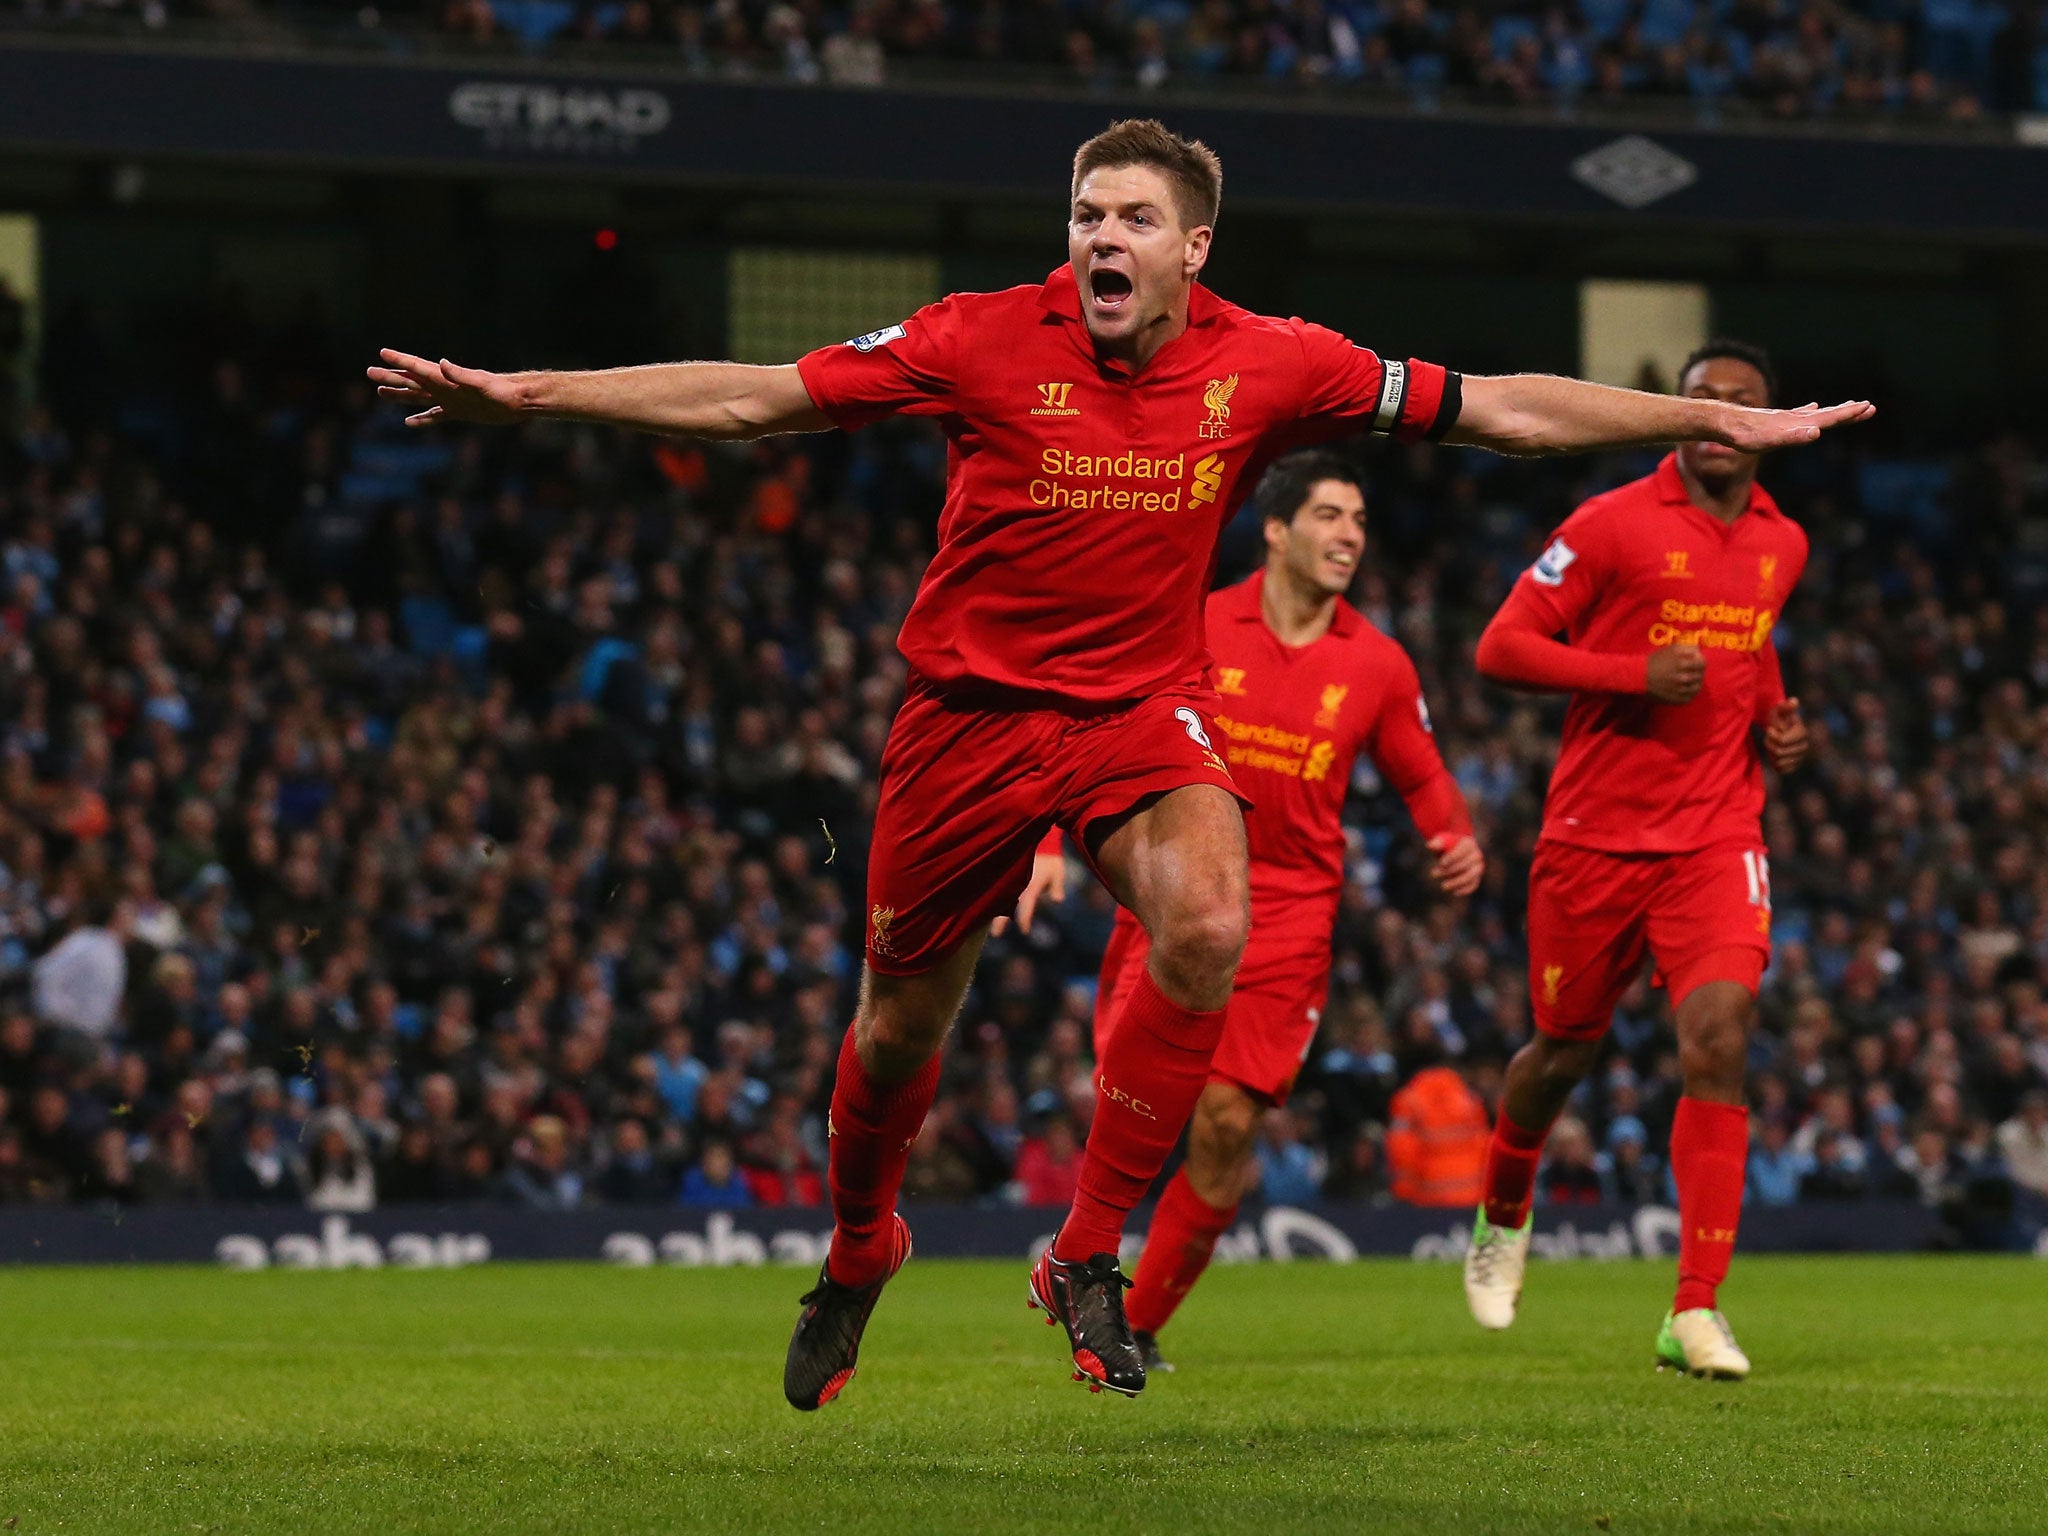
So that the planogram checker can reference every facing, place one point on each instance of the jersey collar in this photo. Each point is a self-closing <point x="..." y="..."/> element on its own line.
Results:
<point x="1671" y="491"/>
<point x="1249" y="609"/>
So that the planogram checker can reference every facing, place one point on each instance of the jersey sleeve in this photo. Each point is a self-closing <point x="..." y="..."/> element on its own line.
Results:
<point x="1403" y="748"/>
<point x="1571" y="573"/>
<point x="1348" y="389"/>
<point x="908" y="369"/>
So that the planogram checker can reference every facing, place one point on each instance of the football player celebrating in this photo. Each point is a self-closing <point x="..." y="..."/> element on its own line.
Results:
<point x="1667" y="590"/>
<point x="1102" y="426"/>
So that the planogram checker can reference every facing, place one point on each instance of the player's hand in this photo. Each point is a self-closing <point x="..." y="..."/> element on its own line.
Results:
<point x="1677" y="673"/>
<point x="1750" y="430"/>
<point x="1785" y="738"/>
<point x="435" y="392"/>
<point x="1048" y="883"/>
<point x="1458" y="865"/>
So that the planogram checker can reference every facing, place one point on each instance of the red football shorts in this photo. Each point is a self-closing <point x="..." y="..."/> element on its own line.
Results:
<point x="1276" y="1004"/>
<point x="969" y="791"/>
<point x="1593" y="916"/>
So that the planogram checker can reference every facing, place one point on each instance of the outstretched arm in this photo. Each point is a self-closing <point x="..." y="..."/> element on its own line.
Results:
<point x="1533" y="413"/>
<point x="715" y="400"/>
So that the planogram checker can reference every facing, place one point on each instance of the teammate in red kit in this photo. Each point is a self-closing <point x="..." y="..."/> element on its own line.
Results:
<point x="1307" y="684"/>
<point x="1668" y="589"/>
<point x="1101" y="426"/>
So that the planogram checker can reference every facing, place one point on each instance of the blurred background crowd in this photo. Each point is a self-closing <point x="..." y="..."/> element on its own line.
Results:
<point x="1915" y="60"/>
<point x="388" y="817"/>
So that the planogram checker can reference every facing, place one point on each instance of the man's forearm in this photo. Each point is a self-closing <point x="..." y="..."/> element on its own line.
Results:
<point x="1534" y="413"/>
<point x="713" y="400"/>
<point x="1520" y="656"/>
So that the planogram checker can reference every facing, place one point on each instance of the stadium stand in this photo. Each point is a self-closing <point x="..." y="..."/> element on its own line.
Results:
<point x="1909" y="60"/>
<point x="388" y="817"/>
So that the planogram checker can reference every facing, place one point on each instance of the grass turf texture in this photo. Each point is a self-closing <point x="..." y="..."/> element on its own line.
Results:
<point x="1890" y="1395"/>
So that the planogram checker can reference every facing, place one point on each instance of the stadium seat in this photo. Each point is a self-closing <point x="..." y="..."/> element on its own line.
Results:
<point x="1604" y="18"/>
<point x="1426" y="72"/>
<point x="1909" y="491"/>
<point x="391" y="470"/>
<point x="429" y="625"/>
<point x="1666" y="21"/>
<point x="534" y="22"/>
<point x="1509" y="31"/>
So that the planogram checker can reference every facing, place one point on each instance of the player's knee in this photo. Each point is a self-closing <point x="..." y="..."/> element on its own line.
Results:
<point x="1564" y="1064"/>
<point x="1198" y="947"/>
<point x="1713" y="1042"/>
<point x="897" y="1037"/>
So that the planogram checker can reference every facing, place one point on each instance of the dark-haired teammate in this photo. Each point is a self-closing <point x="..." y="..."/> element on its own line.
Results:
<point x="1667" y="589"/>
<point x="1102" y="425"/>
<point x="1307" y="684"/>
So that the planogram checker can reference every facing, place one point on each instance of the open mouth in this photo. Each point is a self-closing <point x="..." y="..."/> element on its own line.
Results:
<point x="1111" y="289"/>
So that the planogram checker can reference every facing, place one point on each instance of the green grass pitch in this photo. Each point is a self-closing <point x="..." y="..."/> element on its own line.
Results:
<point x="1890" y="1395"/>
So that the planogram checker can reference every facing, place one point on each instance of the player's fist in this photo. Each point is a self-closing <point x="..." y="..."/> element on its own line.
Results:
<point x="433" y="392"/>
<point x="1458" y="864"/>
<point x="1785" y="738"/>
<point x="1677" y="673"/>
<point x="1048" y="883"/>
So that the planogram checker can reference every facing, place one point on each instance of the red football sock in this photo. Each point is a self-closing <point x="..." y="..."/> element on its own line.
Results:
<point x="1177" y="1247"/>
<point x="1152" y="1071"/>
<point x="1709" y="1156"/>
<point x="1511" y="1159"/>
<point x="871" y="1129"/>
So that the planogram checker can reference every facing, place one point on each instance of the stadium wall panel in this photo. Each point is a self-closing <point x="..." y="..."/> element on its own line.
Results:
<point x="263" y="1237"/>
<point x="431" y="117"/>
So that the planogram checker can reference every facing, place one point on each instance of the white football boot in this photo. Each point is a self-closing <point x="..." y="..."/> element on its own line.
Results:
<point x="1493" y="1270"/>
<point x="1700" y="1343"/>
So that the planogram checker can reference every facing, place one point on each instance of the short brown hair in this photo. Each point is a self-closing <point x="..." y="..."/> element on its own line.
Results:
<point x="1189" y="164"/>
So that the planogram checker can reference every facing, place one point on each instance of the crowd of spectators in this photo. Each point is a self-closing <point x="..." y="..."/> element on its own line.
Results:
<point x="1925" y="60"/>
<point x="387" y="817"/>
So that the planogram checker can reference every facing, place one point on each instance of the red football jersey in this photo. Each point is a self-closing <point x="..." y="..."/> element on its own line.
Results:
<point x="1632" y="571"/>
<point x="1084" y="499"/>
<point x="1295" y="720"/>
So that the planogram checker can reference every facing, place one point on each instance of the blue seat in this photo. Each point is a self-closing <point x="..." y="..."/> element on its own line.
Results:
<point x="1908" y="491"/>
<point x="1426" y="72"/>
<point x="1509" y="32"/>
<point x="534" y="22"/>
<point x="1604" y="18"/>
<point x="1566" y="71"/>
<point x="1666" y="22"/>
<point x="429" y="626"/>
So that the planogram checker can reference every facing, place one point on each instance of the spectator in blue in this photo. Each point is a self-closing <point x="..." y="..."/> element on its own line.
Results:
<point x="678" y="1074"/>
<point x="716" y="1181"/>
<point x="1290" y="1171"/>
<point x="1774" y="1168"/>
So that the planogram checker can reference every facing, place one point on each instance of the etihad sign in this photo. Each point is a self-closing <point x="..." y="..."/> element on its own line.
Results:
<point x="578" y="119"/>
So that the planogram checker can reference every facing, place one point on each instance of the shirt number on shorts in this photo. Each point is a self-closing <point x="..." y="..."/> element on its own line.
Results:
<point x="1758" y="868"/>
<point x="1193" y="722"/>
